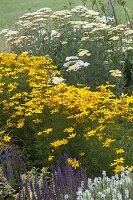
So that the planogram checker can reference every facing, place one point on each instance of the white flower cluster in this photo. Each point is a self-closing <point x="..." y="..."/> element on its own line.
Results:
<point x="73" y="63"/>
<point x="116" y="73"/>
<point x="118" y="187"/>
<point x="57" y="80"/>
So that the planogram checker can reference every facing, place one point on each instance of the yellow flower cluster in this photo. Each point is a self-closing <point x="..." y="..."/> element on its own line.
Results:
<point x="118" y="163"/>
<point x="120" y="168"/>
<point x="20" y="78"/>
<point x="28" y="95"/>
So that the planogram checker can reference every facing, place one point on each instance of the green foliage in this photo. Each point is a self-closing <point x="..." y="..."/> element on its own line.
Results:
<point x="6" y="191"/>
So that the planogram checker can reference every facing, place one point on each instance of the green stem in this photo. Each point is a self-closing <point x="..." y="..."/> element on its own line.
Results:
<point x="127" y="16"/>
<point x="113" y="12"/>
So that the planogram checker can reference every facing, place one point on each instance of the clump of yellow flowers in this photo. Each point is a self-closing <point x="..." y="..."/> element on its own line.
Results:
<point x="63" y="117"/>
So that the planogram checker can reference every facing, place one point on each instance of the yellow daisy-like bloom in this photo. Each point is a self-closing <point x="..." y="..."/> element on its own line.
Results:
<point x="118" y="151"/>
<point x="69" y="130"/>
<point x="12" y="86"/>
<point x="73" y="162"/>
<point x="50" y="158"/>
<point x="71" y="135"/>
<point x="100" y="128"/>
<point x="117" y="161"/>
<point x="99" y="135"/>
<point x="7" y="138"/>
<point x="118" y="169"/>
<point x="46" y="131"/>
<point x="90" y="133"/>
<point x="20" y="123"/>
<point x="107" y="142"/>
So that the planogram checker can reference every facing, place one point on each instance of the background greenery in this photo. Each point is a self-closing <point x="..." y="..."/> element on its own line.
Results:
<point x="11" y="10"/>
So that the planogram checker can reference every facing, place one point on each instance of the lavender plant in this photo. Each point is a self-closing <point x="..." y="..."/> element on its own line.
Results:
<point x="12" y="166"/>
<point x="62" y="184"/>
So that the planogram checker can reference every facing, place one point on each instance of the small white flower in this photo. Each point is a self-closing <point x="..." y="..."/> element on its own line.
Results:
<point x="4" y="31"/>
<point x="71" y="58"/>
<point x="57" y="80"/>
<point x="119" y="196"/>
<point x="129" y="48"/>
<point x="83" y="52"/>
<point x="54" y="33"/>
<point x="66" y="196"/>
<point x="115" y="38"/>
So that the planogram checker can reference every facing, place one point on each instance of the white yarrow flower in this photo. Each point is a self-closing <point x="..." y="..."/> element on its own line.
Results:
<point x="57" y="80"/>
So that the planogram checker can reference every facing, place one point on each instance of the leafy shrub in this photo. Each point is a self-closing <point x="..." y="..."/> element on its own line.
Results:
<point x="52" y="119"/>
<point x="78" y="32"/>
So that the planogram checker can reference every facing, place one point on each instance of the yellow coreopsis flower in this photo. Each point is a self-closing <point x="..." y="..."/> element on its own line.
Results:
<point x="118" y="151"/>
<point x="71" y="135"/>
<point x="117" y="161"/>
<point x="99" y="135"/>
<point x="90" y="133"/>
<point x="7" y="138"/>
<point x="46" y="131"/>
<point x="20" y="123"/>
<point x="69" y="130"/>
<point x="73" y="162"/>
<point x="54" y="110"/>
<point x="107" y="142"/>
<point x="12" y="86"/>
<point x="118" y="169"/>
<point x="50" y="158"/>
<point x="100" y="128"/>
